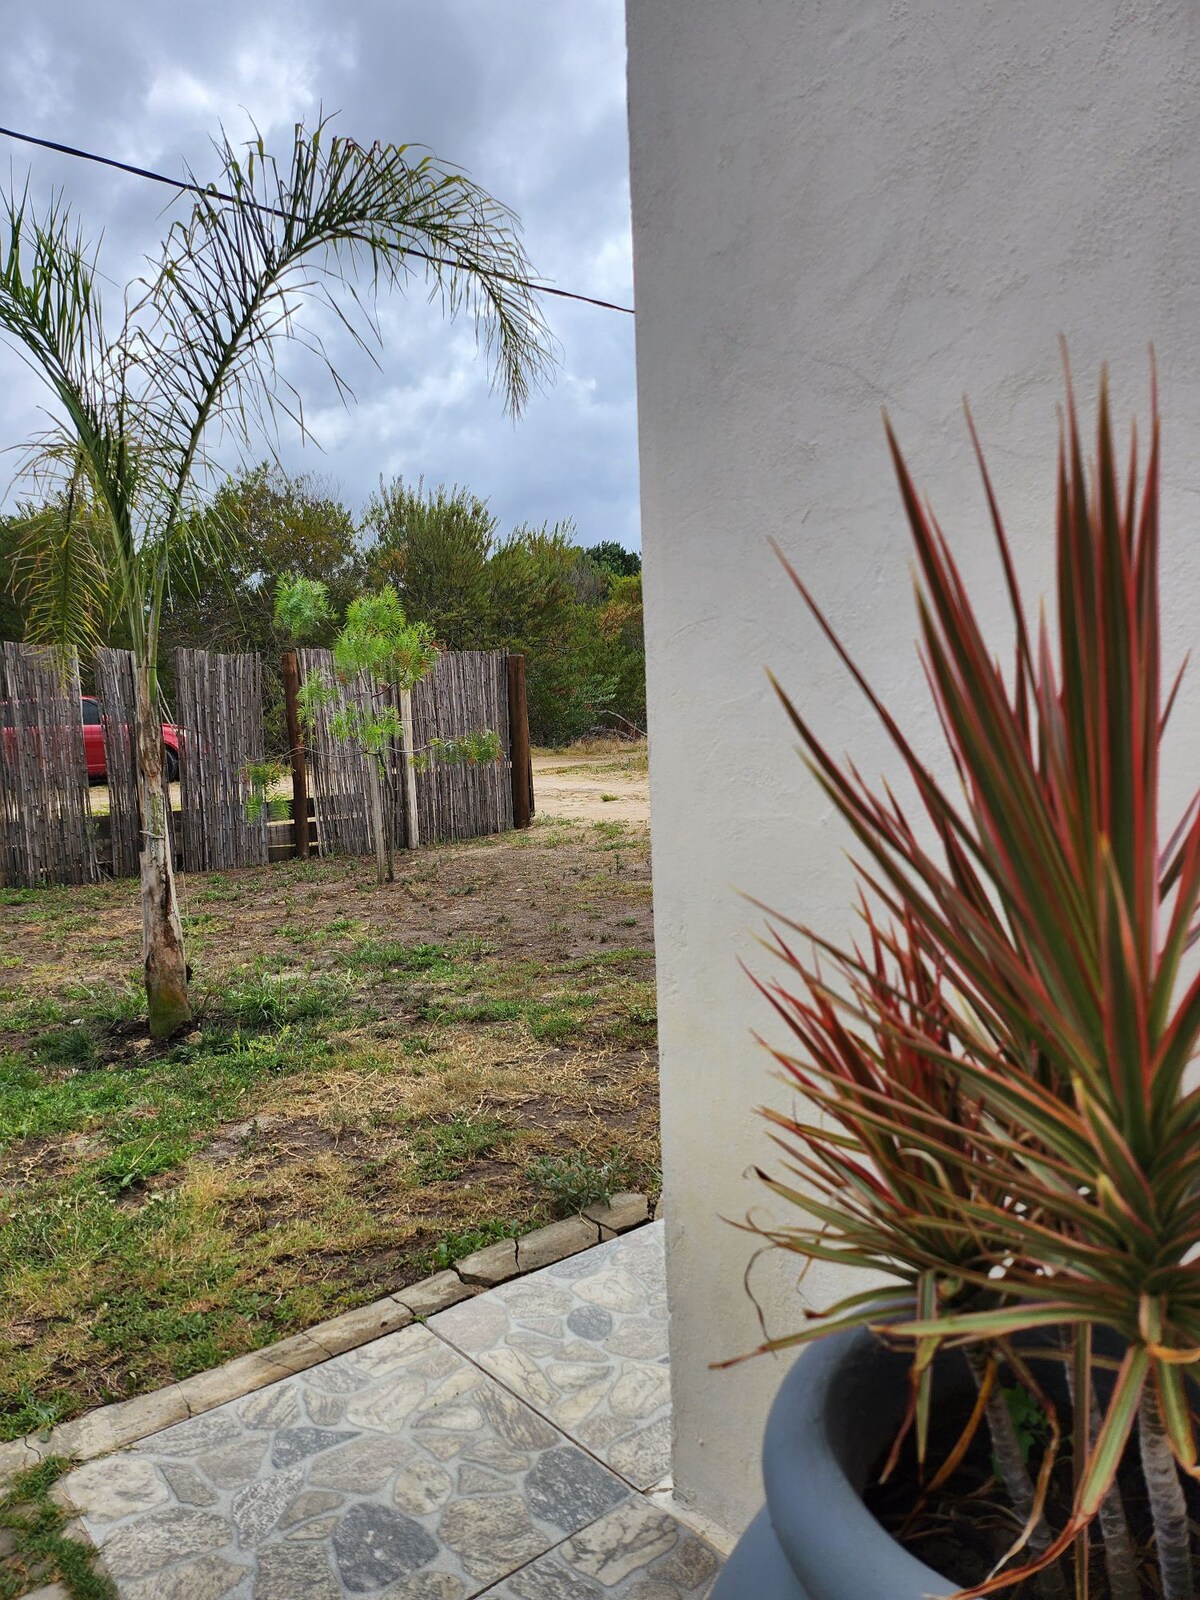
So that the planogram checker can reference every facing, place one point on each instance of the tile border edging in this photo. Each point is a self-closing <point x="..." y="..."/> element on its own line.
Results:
<point x="125" y="1422"/>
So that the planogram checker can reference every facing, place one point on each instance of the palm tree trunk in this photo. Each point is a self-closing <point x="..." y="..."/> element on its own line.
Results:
<point x="162" y="932"/>
<point x="1167" y="1503"/>
<point x="1014" y="1474"/>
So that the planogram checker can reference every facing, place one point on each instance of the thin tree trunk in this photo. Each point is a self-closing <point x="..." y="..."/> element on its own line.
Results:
<point x="162" y="932"/>
<point x="1167" y="1503"/>
<point x="1120" y="1563"/>
<point x="389" y="813"/>
<point x="1014" y="1474"/>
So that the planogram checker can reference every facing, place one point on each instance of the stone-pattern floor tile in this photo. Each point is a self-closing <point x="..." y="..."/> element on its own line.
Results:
<point x="584" y="1342"/>
<point x="397" y="1470"/>
<point x="636" y="1552"/>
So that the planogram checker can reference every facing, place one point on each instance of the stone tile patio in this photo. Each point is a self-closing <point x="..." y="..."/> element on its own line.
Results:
<point x="584" y="1343"/>
<point x="499" y="1449"/>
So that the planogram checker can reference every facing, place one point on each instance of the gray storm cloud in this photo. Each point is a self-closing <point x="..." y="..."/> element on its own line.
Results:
<point x="526" y="95"/>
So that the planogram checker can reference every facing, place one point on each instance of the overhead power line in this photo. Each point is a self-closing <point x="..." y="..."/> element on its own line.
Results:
<point x="215" y="194"/>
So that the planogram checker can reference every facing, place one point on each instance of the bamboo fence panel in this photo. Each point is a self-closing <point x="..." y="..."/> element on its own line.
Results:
<point x="337" y="775"/>
<point x="467" y="692"/>
<point x="220" y="717"/>
<point x="115" y="695"/>
<point x="45" y="818"/>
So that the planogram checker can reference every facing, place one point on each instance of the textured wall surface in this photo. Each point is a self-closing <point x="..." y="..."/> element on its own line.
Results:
<point x="839" y="207"/>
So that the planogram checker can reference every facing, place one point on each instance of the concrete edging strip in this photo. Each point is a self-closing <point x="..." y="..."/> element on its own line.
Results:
<point x="112" y="1427"/>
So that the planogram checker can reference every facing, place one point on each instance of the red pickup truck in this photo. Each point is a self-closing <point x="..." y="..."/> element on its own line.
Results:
<point x="93" y="742"/>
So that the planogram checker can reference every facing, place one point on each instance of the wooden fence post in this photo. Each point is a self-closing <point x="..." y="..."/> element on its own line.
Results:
<point x="291" y="696"/>
<point x="518" y="733"/>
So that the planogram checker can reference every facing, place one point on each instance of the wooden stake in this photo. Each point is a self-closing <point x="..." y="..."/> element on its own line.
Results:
<point x="518" y="726"/>
<point x="291" y="697"/>
<point x="408" y="746"/>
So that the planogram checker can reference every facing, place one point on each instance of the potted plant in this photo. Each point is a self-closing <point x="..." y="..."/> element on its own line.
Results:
<point x="997" y="1114"/>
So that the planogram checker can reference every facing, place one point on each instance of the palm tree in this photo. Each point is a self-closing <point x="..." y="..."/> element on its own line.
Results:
<point x="193" y="363"/>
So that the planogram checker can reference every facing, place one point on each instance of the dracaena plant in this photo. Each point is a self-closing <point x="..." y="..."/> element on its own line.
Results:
<point x="898" y="1177"/>
<point x="1006" y="1125"/>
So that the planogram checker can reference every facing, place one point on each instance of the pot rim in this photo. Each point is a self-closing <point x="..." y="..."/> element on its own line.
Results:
<point x="831" y="1417"/>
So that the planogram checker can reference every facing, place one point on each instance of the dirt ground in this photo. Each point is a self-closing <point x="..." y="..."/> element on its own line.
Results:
<point x="590" y="785"/>
<point x="380" y="1079"/>
<point x="608" y="785"/>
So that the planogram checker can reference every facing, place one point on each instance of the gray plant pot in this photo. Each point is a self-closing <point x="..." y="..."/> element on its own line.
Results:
<point x="835" y="1415"/>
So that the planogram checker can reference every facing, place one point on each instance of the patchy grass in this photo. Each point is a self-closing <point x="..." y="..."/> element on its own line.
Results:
<point x="444" y="1149"/>
<point x="42" y="1550"/>
<point x="380" y="1081"/>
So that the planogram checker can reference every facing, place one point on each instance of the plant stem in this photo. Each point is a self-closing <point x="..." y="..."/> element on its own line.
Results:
<point x="1167" y="1503"/>
<point x="1119" y="1561"/>
<point x="1006" y="1448"/>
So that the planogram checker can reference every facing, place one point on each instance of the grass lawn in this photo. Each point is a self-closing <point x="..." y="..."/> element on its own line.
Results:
<point x="380" y="1080"/>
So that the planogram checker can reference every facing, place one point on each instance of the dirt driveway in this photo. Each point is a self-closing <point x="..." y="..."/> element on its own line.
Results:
<point x="610" y="786"/>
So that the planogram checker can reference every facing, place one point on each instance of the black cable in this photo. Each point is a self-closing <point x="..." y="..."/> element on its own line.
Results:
<point x="216" y="194"/>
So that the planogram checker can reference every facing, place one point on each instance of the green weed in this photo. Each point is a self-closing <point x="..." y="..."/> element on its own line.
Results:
<point x="108" y="1003"/>
<point x="20" y="1014"/>
<point x="70" y="1047"/>
<point x="552" y="1027"/>
<point x="472" y="1011"/>
<point x="457" y="1245"/>
<point x="610" y="830"/>
<point x="575" y="1181"/>
<point x="444" y="1148"/>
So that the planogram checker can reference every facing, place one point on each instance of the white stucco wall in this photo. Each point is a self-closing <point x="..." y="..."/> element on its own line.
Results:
<point x="839" y="206"/>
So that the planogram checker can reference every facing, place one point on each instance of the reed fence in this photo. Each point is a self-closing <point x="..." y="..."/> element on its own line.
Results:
<point x="115" y="691"/>
<point x="49" y="834"/>
<point x="45" y="820"/>
<point x="219" y="705"/>
<point x="336" y="769"/>
<point x="467" y="692"/>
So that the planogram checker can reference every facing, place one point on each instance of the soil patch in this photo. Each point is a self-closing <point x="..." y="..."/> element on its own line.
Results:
<point x="380" y="1079"/>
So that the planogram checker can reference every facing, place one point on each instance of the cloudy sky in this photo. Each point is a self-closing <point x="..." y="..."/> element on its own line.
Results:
<point x="526" y="95"/>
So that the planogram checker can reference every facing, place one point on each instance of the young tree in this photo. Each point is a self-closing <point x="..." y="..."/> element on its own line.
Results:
<point x="378" y="650"/>
<point x="621" y="626"/>
<point x="193" y="360"/>
<point x="12" y="600"/>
